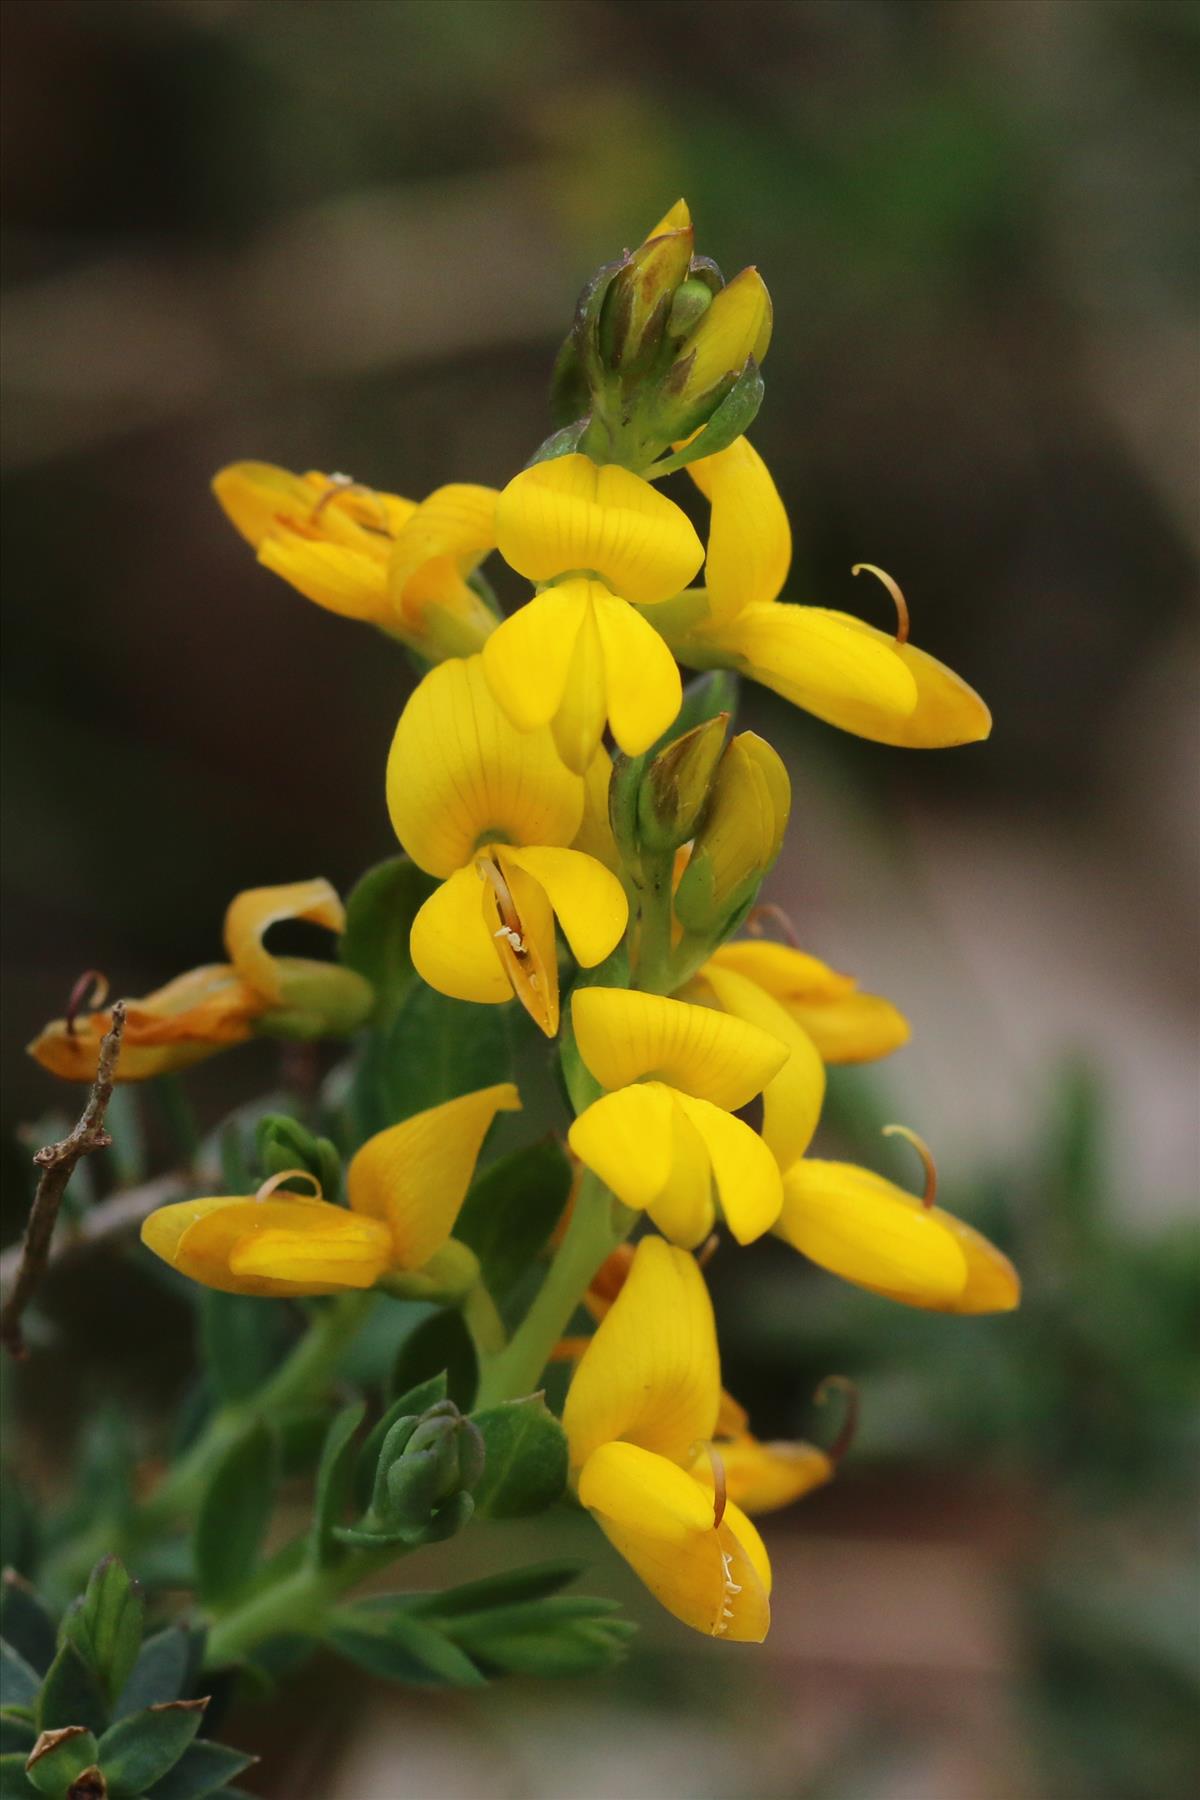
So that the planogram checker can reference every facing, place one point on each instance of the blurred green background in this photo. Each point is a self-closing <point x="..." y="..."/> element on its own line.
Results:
<point x="349" y="236"/>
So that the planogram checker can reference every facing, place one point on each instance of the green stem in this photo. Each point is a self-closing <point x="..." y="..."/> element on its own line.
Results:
<point x="652" y="973"/>
<point x="298" y="1604"/>
<point x="598" y="1224"/>
<point x="482" y="1319"/>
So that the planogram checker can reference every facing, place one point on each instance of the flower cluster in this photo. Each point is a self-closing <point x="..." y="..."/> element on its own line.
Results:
<point x="591" y="841"/>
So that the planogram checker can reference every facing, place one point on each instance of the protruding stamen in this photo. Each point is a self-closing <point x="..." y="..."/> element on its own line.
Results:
<point x="758" y="915"/>
<point x="708" y="1249"/>
<point x="926" y="1155"/>
<point x="720" y="1486"/>
<point x="841" y="1384"/>
<point x="893" y="588"/>
<point x="273" y="1182"/>
<point x="510" y="926"/>
<point x="344" y="485"/>
<point x="92" y="987"/>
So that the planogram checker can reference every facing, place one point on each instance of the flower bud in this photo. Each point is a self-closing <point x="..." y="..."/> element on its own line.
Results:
<point x="316" y="999"/>
<point x="738" y="840"/>
<point x="283" y="1143"/>
<point x="692" y="300"/>
<point x="675" y="788"/>
<point x="733" y="328"/>
<point x="640" y="299"/>
<point x="427" y="1467"/>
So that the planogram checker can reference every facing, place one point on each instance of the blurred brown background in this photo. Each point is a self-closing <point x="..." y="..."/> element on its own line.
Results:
<point x="349" y="236"/>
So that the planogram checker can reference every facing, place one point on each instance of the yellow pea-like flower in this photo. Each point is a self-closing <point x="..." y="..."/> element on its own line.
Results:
<point x="493" y="812"/>
<point x="845" y="1025"/>
<point x="221" y="1004"/>
<point x="664" y="1138"/>
<point x="405" y="1185"/>
<point x="736" y="326"/>
<point x="368" y="555"/>
<point x="644" y="1399"/>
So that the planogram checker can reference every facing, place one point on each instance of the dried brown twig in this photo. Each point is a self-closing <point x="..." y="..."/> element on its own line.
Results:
<point x="57" y="1163"/>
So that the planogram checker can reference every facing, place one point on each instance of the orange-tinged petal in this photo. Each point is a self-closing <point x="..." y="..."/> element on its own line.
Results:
<point x="254" y="495"/>
<point x="864" y="1228"/>
<point x="443" y="540"/>
<point x="571" y="515"/>
<point x="461" y="775"/>
<point x="520" y="922"/>
<point x="642" y="681"/>
<point x="661" y="1521"/>
<point x="451" y="946"/>
<point x="342" y="580"/>
<point x="192" y="1017"/>
<point x="992" y="1285"/>
<point x="624" y="1036"/>
<point x="786" y="973"/>
<point x="201" y="1238"/>
<point x="651" y="1373"/>
<point x="588" y="900"/>
<point x="792" y="1100"/>
<point x="845" y="1025"/>
<point x="252" y="913"/>
<point x="749" y="539"/>
<point x="415" y="1175"/>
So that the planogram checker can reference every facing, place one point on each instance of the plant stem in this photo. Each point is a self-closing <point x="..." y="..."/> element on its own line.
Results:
<point x="598" y="1224"/>
<point x="297" y="1604"/>
<point x="652" y="972"/>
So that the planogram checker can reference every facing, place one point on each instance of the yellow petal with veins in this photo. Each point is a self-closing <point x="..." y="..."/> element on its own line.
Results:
<point x="624" y="1036"/>
<point x="443" y="541"/>
<point x="588" y="900"/>
<point x="253" y="912"/>
<point x="660" y="1520"/>
<point x="651" y="1373"/>
<point x="643" y="1146"/>
<point x="595" y="834"/>
<point x="948" y="711"/>
<point x="642" y="680"/>
<point x="311" y="1247"/>
<point x="786" y="973"/>
<point x="792" y="1100"/>
<point x="737" y="325"/>
<point x="823" y="661"/>
<point x="415" y="1175"/>
<point x="451" y="946"/>
<point x="460" y="774"/>
<point x="527" y="659"/>
<point x="342" y="580"/>
<point x="845" y="1025"/>
<point x="749" y="539"/>
<point x="571" y="515"/>
<point x="862" y="1227"/>
<point x="746" y="1174"/>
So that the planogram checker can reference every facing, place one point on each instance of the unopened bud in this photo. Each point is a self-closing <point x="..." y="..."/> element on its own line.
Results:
<point x="639" y="301"/>
<point x="733" y="328"/>
<point x="692" y="300"/>
<point x="426" y="1464"/>
<point x="739" y="839"/>
<point x="316" y="999"/>
<point x="283" y="1143"/>
<point x="445" y="1280"/>
<point x="675" y="788"/>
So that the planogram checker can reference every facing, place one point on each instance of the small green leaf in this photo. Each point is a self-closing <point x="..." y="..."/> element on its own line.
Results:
<point x="71" y="1694"/>
<point x="58" y="1757"/>
<point x="379" y="916"/>
<point x="411" y="1404"/>
<point x="19" y="1682"/>
<point x="728" y="421"/>
<point x="202" y="1770"/>
<point x="159" y="1674"/>
<point x="526" y="1467"/>
<point x="534" y="1583"/>
<point x="106" y="1625"/>
<point x="440" y="1048"/>
<point x="234" y="1514"/>
<point x="581" y="1645"/>
<point x="242" y="1339"/>
<point x="17" y="1731"/>
<point x="511" y="1210"/>
<point x="25" y="1623"/>
<point x="440" y="1342"/>
<point x="334" y="1480"/>
<point x="138" y="1751"/>
<point x="14" y="1783"/>
<point x="399" y="1648"/>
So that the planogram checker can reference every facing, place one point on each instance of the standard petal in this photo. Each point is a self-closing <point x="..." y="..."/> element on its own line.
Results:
<point x="792" y="1100"/>
<point x="749" y="539"/>
<point x="624" y="1035"/>
<point x="642" y="680"/>
<point x="827" y="662"/>
<point x="588" y="900"/>
<point x="661" y="1521"/>
<point x="415" y="1175"/>
<point x="786" y="973"/>
<point x="651" y="1373"/>
<point x="460" y="774"/>
<point x="200" y="1239"/>
<point x="746" y="1174"/>
<point x="452" y="948"/>
<point x="569" y="514"/>
<point x="528" y="657"/>
<point x="865" y="1229"/>
<point x="252" y="913"/>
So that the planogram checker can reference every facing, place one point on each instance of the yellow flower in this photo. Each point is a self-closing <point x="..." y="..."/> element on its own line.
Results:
<point x="644" y="1399"/>
<point x="869" y="1231"/>
<point x="492" y="811"/>
<point x="578" y="655"/>
<point x="223" y="1003"/>
<point x="832" y="664"/>
<point x="405" y="1186"/>
<point x="735" y="327"/>
<point x="368" y="555"/>
<point x="846" y="1026"/>
<point x="664" y="1137"/>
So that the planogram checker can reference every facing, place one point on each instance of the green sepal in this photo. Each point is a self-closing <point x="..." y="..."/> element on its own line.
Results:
<point x="379" y="916"/>
<point x="446" y="1279"/>
<point x="563" y="442"/>
<point x="20" y="1682"/>
<point x="526" y="1466"/>
<point x="105" y="1625"/>
<point x="159" y="1674"/>
<point x="201" y="1771"/>
<point x="234" y="1513"/>
<point x="335" y="1478"/>
<point x="139" y="1750"/>
<point x="58" y="1758"/>
<point x="511" y="1209"/>
<point x="411" y="1404"/>
<point x="25" y="1623"/>
<point x="727" y="422"/>
<point x="393" y="1644"/>
<point x="71" y="1694"/>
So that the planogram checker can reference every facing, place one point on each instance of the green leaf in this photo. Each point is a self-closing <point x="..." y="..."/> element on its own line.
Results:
<point x="534" y="1583"/>
<point x="58" y="1757"/>
<point x="439" y="1343"/>
<point x="334" y="1480"/>
<point x="728" y="421"/>
<point x="71" y="1694"/>
<point x="138" y="1751"/>
<point x="234" y="1514"/>
<point x="442" y="1048"/>
<point x="580" y="1645"/>
<point x="242" y="1338"/>
<point x="25" y="1623"/>
<point x="159" y="1674"/>
<point x="410" y="1404"/>
<point x="106" y="1625"/>
<point x="400" y="1648"/>
<point x="526" y="1467"/>
<point x="14" y="1783"/>
<point x="379" y="916"/>
<point x="17" y="1732"/>
<point x="511" y="1210"/>
<point x="203" y="1769"/>
<point x="19" y="1682"/>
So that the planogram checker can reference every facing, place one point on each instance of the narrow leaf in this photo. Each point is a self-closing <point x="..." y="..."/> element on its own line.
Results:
<point x="439" y="1343"/>
<point x="334" y="1480"/>
<point x="202" y="1770"/>
<point x="511" y="1210"/>
<point x="71" y="1694"/>
<point x="379" y="916"/>
<point x="138" y="1751"/>
<point x="106" y="1628"/>
<point x="234" y="1514"/>
<point x="25" y="1623"/>
<point x="401" y="1649"/>
<point x="19" y="1682"/>
<point x="159" y="1674"/>
<point x="534" y="1583"/>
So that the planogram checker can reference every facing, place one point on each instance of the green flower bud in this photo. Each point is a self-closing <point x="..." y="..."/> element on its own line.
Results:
<point x="675" y="788"/>
<point x="283" y="1143"/>
<point x="739" y="839"/>
<point x="692" y="300"/>
<point x="639" y="300"/>
<point x="427" y="1465"/>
